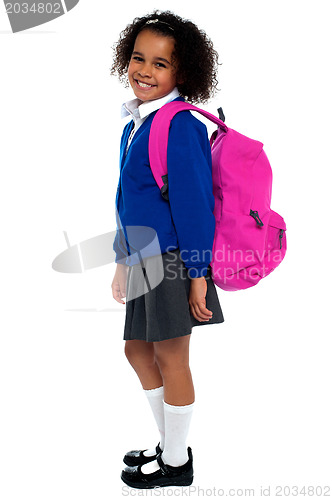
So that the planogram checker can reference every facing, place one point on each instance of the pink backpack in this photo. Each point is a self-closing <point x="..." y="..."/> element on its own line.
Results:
<point x="250" y="239"/>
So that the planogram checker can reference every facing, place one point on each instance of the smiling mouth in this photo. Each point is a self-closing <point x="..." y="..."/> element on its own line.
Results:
<point x="143" y="85"/>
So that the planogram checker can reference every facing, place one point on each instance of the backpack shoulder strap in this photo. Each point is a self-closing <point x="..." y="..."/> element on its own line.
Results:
<point x="158" y="138"/>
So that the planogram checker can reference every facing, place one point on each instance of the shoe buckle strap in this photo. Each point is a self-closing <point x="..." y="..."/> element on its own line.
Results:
<point x="162" y="466"/>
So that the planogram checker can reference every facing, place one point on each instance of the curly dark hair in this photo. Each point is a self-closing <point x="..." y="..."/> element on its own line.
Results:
<point x="197" y="60"/>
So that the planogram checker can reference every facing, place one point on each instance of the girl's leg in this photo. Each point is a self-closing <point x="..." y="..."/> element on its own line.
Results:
<point x="167" y="363"/>
<point x="140" y="355"/>
<point x="172" y="357"/>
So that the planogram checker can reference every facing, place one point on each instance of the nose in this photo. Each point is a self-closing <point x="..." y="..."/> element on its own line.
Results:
<point x="145" y="71"/>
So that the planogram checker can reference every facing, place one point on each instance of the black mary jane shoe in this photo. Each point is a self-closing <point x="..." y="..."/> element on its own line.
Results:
<point x="167" y="475"/>
<point x="136" y="457"/>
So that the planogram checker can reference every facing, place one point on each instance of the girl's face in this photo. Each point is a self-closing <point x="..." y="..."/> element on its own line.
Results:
<point x="150" y="72"/>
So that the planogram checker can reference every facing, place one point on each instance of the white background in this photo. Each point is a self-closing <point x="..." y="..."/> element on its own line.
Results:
<point x="71" y="405"/>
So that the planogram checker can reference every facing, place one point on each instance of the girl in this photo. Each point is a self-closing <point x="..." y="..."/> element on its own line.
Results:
<point x="165" y="58"/>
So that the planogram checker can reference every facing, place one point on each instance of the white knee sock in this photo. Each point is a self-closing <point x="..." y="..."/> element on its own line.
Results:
<point x="177" y="421"/>
<point x="156" y="400"/>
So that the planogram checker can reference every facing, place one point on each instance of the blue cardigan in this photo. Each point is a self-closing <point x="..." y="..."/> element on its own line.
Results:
<point x="186" y="221"/>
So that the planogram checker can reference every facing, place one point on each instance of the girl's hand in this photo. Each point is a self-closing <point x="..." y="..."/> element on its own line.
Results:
<point x="197" y="302"/>
<point x="119" y="283"/>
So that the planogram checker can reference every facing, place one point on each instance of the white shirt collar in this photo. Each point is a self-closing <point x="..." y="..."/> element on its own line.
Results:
<point x="140" y="110"/>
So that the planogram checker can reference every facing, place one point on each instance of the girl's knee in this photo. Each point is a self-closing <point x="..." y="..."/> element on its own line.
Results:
<point x="171" y="360"/>
<point x="139" y="352"/>
<point x="172" y="368"/>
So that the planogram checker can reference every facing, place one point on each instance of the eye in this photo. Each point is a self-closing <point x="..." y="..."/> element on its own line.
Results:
<point x="160" y="65"/>
<point x="137" y="58"/>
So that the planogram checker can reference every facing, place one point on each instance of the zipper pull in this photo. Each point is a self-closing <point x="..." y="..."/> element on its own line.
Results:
<point x="281" y="236"/>
<point x="164" y="188"/>
<point x="221" y="114"/>
<point x="255" y="215"/>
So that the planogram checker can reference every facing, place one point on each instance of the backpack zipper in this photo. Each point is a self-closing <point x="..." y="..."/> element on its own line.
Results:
<point x="281" y="236"/>
<point x="254" y="214"/>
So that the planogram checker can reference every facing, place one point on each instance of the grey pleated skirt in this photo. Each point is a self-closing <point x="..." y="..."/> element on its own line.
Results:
<point x="157" y="306"/>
